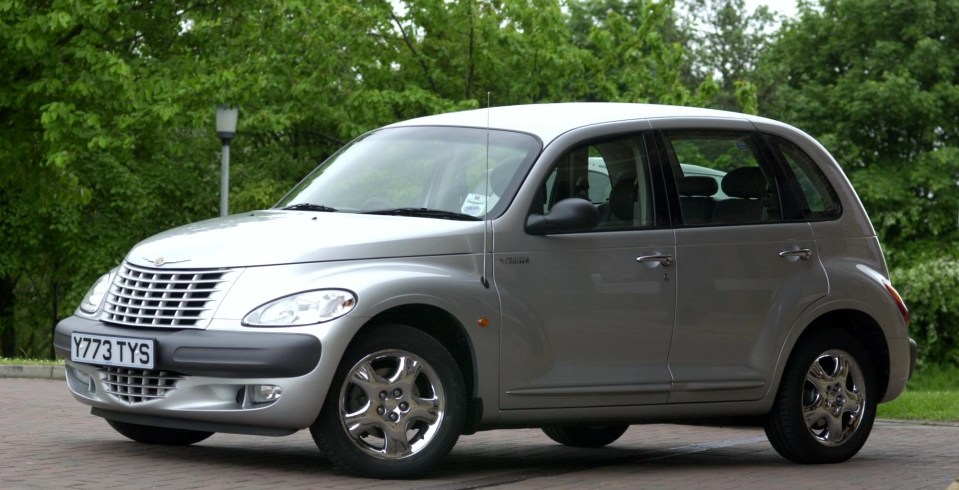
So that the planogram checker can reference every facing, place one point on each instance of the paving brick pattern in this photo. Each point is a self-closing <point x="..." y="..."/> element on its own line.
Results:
<point x="48" y="440"/>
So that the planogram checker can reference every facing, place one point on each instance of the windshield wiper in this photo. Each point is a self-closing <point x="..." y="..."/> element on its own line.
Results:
<point x="425" y="213"/>
<point x="306" y="206"/>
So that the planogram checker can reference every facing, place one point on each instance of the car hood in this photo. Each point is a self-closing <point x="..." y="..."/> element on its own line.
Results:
<point x="286" y="237"/>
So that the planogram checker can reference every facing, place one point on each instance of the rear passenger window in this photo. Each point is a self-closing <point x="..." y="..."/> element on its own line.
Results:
<point x="720" y="178"/>
<point x="813" y="194"/>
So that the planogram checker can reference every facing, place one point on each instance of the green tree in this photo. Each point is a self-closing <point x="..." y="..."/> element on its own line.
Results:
<point x="90" y="145"/>
<point x="632" y="52"/>
<point x="725" y="43"/>
<point x="876" y="82"/>
<point x="107" y="107"/>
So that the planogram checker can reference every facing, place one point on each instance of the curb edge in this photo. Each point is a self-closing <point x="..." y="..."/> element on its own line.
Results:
<point x="32" y="371"/>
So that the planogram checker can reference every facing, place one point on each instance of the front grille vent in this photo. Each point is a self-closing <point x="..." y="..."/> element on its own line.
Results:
<point x="141" y="297"/>
<point x="136" y="385"/>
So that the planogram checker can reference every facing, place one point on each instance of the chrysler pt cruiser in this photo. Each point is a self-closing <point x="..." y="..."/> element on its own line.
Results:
<point x="573" y="267"/>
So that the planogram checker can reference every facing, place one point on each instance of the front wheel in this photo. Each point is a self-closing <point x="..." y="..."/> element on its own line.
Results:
<point x="158" y="435"/>
<point x="396" y="406"/>
<point x="826" y="402"/>
<point x="586" y="436"/>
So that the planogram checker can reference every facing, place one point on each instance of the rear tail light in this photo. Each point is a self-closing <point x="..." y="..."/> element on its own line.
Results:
<point x="898" y="300"/>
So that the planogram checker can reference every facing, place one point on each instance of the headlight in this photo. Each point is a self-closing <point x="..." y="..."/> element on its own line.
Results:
<point x="94" y="298"/>
<point x="304" y="308"/>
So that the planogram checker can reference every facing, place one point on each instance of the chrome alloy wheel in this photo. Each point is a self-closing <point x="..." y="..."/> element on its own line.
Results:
<point x="392" y="404"/>
<point x="834" y="397"/>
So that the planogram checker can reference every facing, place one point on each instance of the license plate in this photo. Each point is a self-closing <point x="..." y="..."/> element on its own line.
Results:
<point x="112" y="351"/>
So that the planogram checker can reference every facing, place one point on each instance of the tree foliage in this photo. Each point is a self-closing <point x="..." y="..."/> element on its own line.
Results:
<point x="84" y="129"/>
<point x="725" y="42"/>
<point x="931" y="286"/>
<point x="876" y="82"/>
<point x="107" y="107"/>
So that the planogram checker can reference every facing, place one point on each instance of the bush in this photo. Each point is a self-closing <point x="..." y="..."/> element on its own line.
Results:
<point x="931" y="291"/>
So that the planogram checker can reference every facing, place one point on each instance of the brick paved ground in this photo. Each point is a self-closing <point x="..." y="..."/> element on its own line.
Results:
<point x="47" y="440"/>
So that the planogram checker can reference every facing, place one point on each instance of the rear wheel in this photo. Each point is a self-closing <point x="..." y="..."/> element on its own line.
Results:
<point x="396" y="406"/>
<point x="826" y="403"/>
<point x="586" y="436"/>
<point x="158" y="435"/>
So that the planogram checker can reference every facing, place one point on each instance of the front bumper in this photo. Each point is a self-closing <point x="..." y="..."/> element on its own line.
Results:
<point x="204" y="377"/>
<point x="210" y="353"/>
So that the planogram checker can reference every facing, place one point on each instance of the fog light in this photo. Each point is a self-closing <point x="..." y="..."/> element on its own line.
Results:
<point x="266" y="393"/>
<point x="82" y="380"/>
<point x="81" y="376"/>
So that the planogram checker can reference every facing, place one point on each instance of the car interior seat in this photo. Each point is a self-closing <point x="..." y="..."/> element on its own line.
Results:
<point x="746" y="188"/>
<point x="696" y="198"/>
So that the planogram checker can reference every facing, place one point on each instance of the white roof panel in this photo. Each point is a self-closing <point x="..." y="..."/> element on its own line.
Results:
<point x="551" y="120"/>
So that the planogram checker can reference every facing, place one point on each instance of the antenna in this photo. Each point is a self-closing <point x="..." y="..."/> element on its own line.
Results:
<point x="486" y="200"/>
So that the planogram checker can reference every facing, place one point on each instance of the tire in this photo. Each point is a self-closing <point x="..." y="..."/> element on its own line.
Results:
<point x="158" y="435"/>
<point x="396" y="406"/>
<point x="826" y="403"/>
<point x="589" y="436"/>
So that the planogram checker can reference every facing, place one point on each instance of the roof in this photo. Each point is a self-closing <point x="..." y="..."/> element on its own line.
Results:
<point x="551" y="120"/>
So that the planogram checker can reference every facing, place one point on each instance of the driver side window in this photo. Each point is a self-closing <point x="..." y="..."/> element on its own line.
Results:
<point x="611" y="174"/>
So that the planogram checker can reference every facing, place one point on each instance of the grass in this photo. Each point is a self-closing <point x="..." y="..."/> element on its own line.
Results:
<point x="29" y="362"/>
<point x="932" y="393"/>
<point x="934" y="406"/>
<point x="935" y="378"/>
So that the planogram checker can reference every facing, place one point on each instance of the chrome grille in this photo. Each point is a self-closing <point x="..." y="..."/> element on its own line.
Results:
<point x="137" y="385"/>
<point x="141" y="297"/>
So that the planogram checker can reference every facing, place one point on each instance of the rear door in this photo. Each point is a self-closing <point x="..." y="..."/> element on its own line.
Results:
<point x="746" y="265"/>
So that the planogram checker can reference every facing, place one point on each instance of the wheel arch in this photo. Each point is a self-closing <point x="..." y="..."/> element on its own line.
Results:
<point x="448" y="331"/>
<point x="860" y="326"/>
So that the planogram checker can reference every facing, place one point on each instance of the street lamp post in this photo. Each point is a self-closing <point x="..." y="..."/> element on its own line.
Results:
<point x="226" y="129"/>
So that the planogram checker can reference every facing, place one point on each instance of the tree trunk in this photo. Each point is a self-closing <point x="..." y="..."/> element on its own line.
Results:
<point x="8" y="333"/>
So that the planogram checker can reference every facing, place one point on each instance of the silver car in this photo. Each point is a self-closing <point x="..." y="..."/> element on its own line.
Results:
<point x="455" y="273"/>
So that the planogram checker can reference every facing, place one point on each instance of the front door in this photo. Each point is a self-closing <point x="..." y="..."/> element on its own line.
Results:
<point x="587" y="317"/>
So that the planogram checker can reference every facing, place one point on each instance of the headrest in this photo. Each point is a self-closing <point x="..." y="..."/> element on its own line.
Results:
<point x="745" y="183"/>
<point x="697" y="185"/>
<point x="622" y="197"/>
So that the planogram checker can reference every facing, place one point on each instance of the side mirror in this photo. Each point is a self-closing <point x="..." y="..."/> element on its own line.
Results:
<point x="568" y="215"/>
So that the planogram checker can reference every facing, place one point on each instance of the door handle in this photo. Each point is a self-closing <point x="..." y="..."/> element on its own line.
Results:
<point x="664" y="259"/>
<point x="802" y="254"/>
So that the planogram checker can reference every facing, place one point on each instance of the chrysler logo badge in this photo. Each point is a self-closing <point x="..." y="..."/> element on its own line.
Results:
<point x="159" y="261"/>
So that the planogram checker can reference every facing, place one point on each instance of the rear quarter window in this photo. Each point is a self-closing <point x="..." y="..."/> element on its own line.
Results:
<point x="813" y="193"/>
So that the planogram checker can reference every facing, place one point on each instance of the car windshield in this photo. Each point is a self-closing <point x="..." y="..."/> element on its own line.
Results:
<point x="409" y="170"/>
